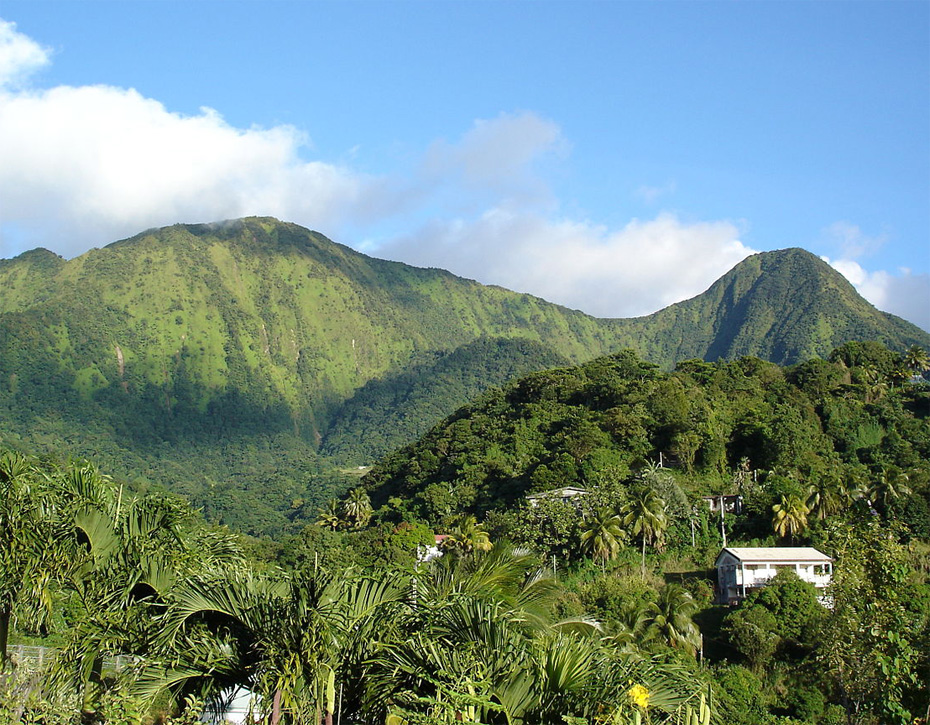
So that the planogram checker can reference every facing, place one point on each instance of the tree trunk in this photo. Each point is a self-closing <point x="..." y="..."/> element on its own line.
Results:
<point x="92" y="687"/>
<point x="644" y="557"/>
<point x="4" y="635"/>
<point x="276" y="708"/>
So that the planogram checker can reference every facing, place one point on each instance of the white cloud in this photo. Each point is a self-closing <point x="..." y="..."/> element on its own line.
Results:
<point x="20" y="55"/>
<point x="852" y="242"/>
<point x="636" y="270"/>
<point x="497" y="151"/>
<point x="903" y="294"/>
<point x="94" y="163"/>
<point x="86" y="165"/>
<point x="83" y="166"/>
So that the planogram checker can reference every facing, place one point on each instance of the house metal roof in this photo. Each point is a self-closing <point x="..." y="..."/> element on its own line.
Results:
<point x="565" y="492"/>
<point x="761" y="554"/>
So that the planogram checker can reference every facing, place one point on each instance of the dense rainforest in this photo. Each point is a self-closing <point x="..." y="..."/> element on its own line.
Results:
<point x="253" y="366"/>
<point x="599" y="610"/>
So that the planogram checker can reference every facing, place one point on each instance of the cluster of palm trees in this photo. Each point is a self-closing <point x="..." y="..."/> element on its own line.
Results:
<point x="643" y="516"/>
<point x="352" y="513"/>
<point x="70" y="539"/>
<point x="829" y="495"/>
<point x="468" y="638"/>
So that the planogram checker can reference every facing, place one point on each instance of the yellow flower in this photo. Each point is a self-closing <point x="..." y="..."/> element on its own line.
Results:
<point x="639" y="695"/>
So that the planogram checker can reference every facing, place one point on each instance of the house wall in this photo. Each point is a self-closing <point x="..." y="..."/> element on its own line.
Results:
<point x="735" y="578"/>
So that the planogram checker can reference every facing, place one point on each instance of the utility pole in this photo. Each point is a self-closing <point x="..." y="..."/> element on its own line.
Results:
<point x="723" y="531"/>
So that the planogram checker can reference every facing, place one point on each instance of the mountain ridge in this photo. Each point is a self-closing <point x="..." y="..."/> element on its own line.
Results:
<point x="200" y="342"/>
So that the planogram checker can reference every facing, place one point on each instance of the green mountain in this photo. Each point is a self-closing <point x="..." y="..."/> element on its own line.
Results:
<point x="784" y="306"/>
<point x="222" y="360"/>
<point x="598" y="425"/>
<point x="389" y="412"/>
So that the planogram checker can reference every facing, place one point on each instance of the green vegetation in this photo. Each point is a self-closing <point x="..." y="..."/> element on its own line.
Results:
<point x="246" y="365"/>
<point x="807" y="439"/>
<point x="826" y="453"/>
<point x="476" y="637"/>
<point x="591" y="610"/>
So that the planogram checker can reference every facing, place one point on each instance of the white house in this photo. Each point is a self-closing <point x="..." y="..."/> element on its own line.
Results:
<point x="566" y="493"/>
<point x="731" y="503"/>
<point x="428" y="553"/>
<point x="742" y="569"/>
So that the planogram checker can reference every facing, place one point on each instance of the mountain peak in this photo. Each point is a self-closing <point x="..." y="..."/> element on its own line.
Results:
<point x="785" y="306"/>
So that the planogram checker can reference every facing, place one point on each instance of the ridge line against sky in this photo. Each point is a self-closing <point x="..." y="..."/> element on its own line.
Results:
<point x="610" y="157"/>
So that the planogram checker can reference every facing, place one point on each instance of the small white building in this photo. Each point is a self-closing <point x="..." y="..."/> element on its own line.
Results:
<point x="428" y="553"/>
<point x="566" y="493"/>
<point x="730" y="503"/>
<point x="742" y="569"/>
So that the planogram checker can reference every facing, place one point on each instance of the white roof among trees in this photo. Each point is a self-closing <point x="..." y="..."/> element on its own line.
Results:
<point x="761" y="554"/>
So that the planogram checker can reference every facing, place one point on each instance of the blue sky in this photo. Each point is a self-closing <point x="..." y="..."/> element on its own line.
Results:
<point x="610" y="156"/>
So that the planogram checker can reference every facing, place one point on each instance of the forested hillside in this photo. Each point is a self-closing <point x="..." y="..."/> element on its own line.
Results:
<point x="254" y="365"/>
<point x="848" y="421"/>
<point x="785" y="307"/>
<point x="827" y="453"/>
<point x="585" y="611"/>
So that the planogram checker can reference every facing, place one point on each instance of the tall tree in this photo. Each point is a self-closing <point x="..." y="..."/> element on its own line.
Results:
<point x="916" y="359"/>
<point x="357" y="507"/>
<point x="28" y="547"/>
<point x="669" y="619"/>
<point x="328" y="517"/>
<point x="467" y="537"/>
<point x="644" y="515"/>
<point x="888" y="485"/>
<point x="602" y="535"/>
<point x="790" y="516"/>
<point x="872" y="647"/>
<point x="825" y="496"/>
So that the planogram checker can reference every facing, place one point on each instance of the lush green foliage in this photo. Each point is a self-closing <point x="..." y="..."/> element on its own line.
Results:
<point x="830" y="453"/>
<point x="475" y="636"/>
<point x="345" y="620"/>
<point x="796" y="450"/>
<point x="221" y="361"/>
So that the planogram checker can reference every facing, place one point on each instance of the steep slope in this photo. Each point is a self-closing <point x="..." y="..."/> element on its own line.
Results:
<point x="269" y="312"/>
<point x="221" y="359"/>
<point x="783" y="306"/>
<point x="390" y="412"/>
<point x="597" y="424"/>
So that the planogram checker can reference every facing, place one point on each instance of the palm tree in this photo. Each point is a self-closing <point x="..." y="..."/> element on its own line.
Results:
<point x="669" y="619"/>
<point x="916" y="359"/>
<point x="124" y="553"/>
<point x="357" y="507"/>
<point x="888" y="485"/>
<point x="644" y="515"/>
<point x="790" y="516"/>
<point x="630" y="624"/>
<point x="291" y="639"/>
<point x="874" y="383"/>
<point x="328" y="517"/>
<point x="825" y="497"/>
<point x="29" y="554"/>
<point x="467" y="537"/>
<point x="602" y="536"/>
